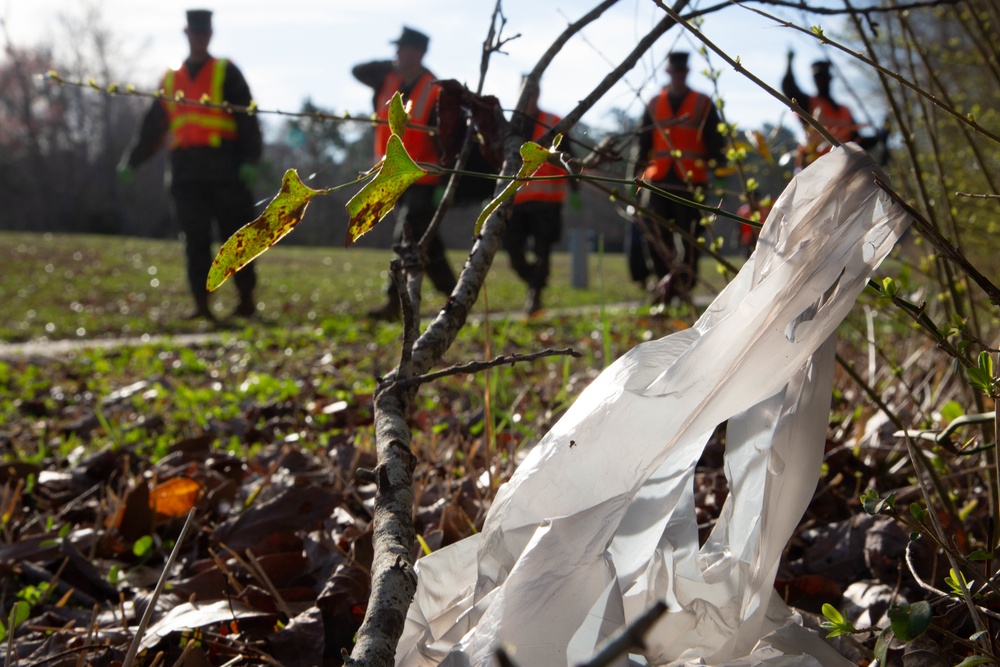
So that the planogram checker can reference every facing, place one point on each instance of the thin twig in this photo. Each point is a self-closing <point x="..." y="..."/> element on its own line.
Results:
<point x="919" y="463"/>
<point x="147" y="616"/>
<point x="823" y="39"/>
<point x="894" y="418"/>
<point x="867" y="11"/>
<point x="266" y="580"/>
<point x="632" y="636"/>
<point x="942" y="244"/>
<point x="977" y="195"/>
<point x="478" y="366"/>
<point x="116" y="89"/>
<point x="738" y="66"/>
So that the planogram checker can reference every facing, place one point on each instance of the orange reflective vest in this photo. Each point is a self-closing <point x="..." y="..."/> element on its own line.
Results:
<point x="679" y="139"/>
<point x="419" y="143"/>
<point x="194" y="125"/>
<point x="838" y="121"/>
<point x="550" y="191"/>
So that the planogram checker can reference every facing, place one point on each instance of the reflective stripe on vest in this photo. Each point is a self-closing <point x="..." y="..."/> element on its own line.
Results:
<point x="678" y="139"/>
<point x="838" y="122"/>
<point x="554" y="190"/>
<point x="421" y="100"/>
<point x="194" y="125"/>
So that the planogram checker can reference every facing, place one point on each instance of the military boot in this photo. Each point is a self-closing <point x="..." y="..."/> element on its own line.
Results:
<point x="201" y="308"/>
<point x="534" y="304"/>
<point x="247" y="307"/>
<point x="390" y="311"/>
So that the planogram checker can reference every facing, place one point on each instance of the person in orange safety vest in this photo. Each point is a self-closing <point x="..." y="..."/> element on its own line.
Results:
<point x="536" y="218"/>
<point x="415" y="208"/>
<point x="835" y="117"/>
<point x="213" y="158"/>
<point x="679" y="147"/>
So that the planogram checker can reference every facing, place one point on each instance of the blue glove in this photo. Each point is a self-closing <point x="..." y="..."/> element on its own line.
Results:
<point x="248" y="175"/>
<point x="124" y="173"/>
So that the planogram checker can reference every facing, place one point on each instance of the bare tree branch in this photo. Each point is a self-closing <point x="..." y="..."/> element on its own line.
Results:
<point x="867" y="11"/>
<point x="942" y="244"/>
<point x="615" y="75"/>
<point x="477" y="366"/>
<point x="899" y="78"/>
<point x="632" y="636"/>
<point x="394" y="582"/>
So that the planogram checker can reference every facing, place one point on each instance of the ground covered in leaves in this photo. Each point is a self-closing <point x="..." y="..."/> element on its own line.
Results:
<point x="258" y="433"/>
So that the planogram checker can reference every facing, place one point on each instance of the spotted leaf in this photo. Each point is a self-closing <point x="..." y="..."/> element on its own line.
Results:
<point x="397" y="172"/>
<point x="280" y="217"/>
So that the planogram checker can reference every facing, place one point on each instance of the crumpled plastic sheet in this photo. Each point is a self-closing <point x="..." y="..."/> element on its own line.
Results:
<point x="598" y="522"/>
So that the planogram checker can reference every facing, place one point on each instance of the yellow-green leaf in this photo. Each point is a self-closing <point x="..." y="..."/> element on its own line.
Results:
<point x="397" y="115"/>
<point x="533" y="156"/>
<point x="376" y="199"/>
<point x="280" y="217"/>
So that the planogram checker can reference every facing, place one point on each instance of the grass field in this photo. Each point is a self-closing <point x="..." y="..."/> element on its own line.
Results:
<point x="307" y="345"/>
<point x="64" y="286"/>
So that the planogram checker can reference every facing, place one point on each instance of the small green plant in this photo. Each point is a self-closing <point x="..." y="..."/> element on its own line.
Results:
<point x="143" y="547"/>
<point x="836" y="623"/>
<point x="957" y="583"/>
<point x="32" y="594"/>
<point x="981" y="375"/>
<point x="18" y="614"/>
<point x="873" y="504"/>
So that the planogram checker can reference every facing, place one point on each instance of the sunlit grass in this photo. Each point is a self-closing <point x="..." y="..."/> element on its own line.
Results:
<point x="78" y="286"/>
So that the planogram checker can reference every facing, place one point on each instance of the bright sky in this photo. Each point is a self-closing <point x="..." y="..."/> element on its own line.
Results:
<point x="292" y="49"/>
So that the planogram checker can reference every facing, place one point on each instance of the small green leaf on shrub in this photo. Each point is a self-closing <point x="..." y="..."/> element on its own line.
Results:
<point x="976" y="636"/>
<point x="979" y="379"/>
<point x="889" y="287"/>
<point x="836" y="623"/>
<point x="143" y="546"/>
<point x="832" y="613"/>
<point x="882" y="646"/>
<point x="915" y="535"/>
<point x="909" y="621"/>
<point x="533" y="156"/>
<point x="279" y="218"/>
<point x="874" y="505"/>
<point x="918" y="512"/>
<point x="957" y="582"/>
<point x="979" y="554"/>
<point x="986" y="363"/>
<point x="951" y="411"/>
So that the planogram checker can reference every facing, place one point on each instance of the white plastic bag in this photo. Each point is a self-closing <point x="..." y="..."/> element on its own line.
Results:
<point x="598" y="522"/>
